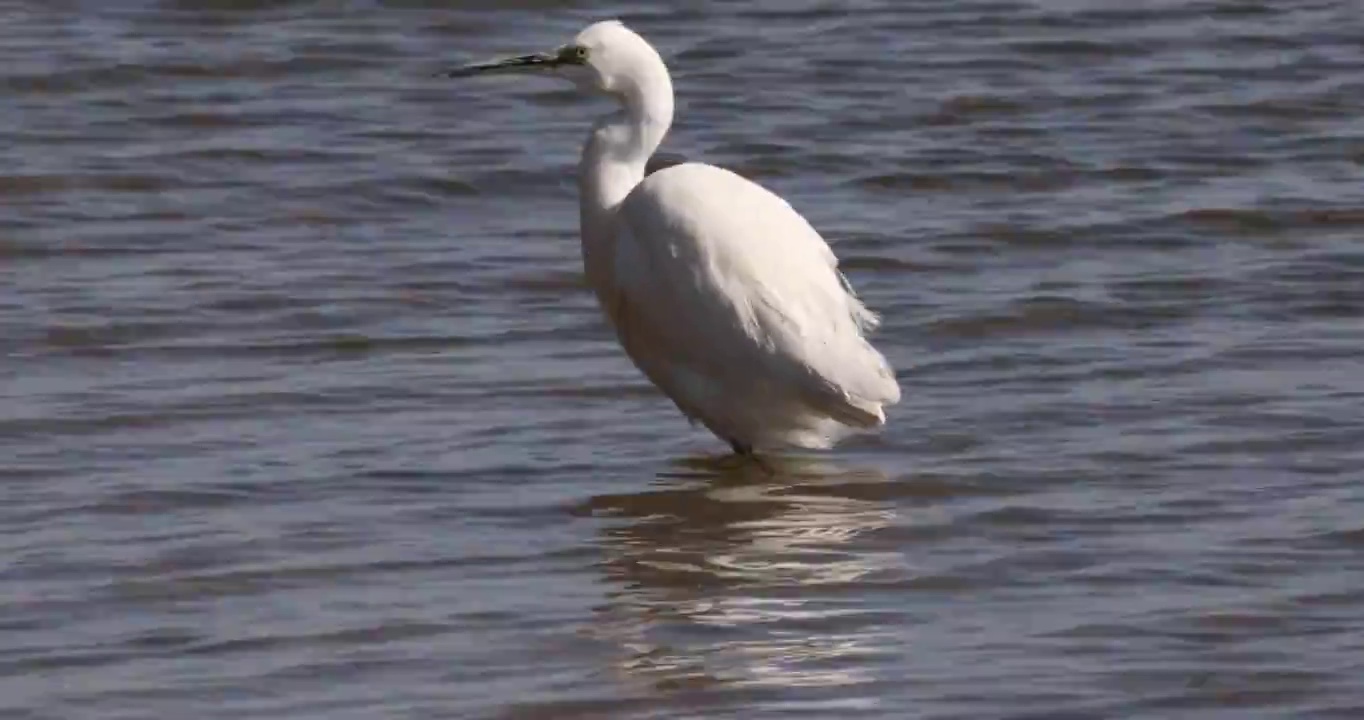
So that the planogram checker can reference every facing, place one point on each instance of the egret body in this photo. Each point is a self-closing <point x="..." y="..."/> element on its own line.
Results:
<point x="721" y="293"/>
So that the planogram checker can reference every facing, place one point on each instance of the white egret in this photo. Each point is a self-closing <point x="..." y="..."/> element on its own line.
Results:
<point x="721" y="293"/>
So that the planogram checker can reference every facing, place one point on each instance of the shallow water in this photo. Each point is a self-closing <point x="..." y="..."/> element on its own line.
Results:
<point x="308" y="413"/>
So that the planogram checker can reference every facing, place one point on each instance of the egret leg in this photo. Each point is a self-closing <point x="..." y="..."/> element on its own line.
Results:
<point x="746" y="452"/>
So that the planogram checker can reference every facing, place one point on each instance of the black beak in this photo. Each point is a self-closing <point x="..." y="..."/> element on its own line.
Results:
<point x="524" y="63"/>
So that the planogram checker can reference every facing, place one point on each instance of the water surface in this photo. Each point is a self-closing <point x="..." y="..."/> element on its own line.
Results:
<point x="307" y="412"/>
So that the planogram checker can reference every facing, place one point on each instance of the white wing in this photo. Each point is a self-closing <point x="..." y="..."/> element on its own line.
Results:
<point x="721" y="287"/>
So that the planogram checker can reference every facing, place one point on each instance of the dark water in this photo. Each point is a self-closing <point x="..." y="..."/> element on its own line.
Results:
<point x="308" y="414"/>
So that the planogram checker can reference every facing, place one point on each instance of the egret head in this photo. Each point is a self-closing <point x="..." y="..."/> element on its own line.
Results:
<point x="606" y="57"/>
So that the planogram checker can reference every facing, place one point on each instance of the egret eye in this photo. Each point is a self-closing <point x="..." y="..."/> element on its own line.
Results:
<point x="572" y="55"/>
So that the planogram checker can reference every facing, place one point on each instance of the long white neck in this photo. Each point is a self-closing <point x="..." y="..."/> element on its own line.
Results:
<point x="613" y="164"/>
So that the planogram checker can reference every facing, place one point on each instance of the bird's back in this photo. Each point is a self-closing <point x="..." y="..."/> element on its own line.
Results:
<point x="732" y="303"/>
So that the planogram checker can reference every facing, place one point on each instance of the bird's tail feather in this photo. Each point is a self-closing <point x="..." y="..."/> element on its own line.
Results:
<point x="851" y="411"/>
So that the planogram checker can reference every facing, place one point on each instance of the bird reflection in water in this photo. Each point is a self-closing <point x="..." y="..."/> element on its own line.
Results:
<point x="733" y="574"/>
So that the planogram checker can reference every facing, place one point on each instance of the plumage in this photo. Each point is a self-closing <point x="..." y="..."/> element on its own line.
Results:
<point x="721" y="293"/>
<point x="733" y="305"/>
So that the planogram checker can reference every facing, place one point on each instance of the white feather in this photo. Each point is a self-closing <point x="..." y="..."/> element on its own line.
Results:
<point x="733" y="305"/>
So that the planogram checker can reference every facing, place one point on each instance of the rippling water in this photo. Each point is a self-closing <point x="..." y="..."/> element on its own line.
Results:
<point x="307" y="412"/>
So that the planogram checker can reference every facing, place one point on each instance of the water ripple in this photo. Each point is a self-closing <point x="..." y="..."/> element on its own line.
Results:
<point x="309" y="412"/>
